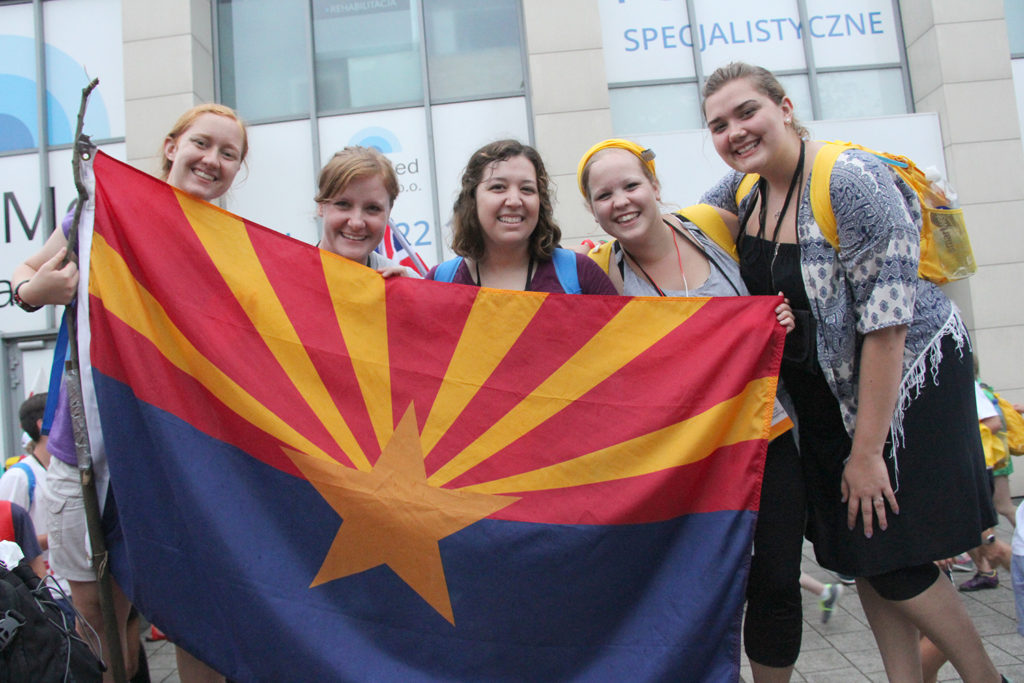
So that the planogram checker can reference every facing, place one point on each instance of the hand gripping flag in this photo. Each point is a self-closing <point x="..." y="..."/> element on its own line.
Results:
<point x="318" y="474"/>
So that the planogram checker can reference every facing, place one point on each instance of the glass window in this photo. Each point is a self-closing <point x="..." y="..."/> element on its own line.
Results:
<point x="473" y="48"/>
<point x="367" y="54"/>
<point x="19" y="120"/>
<point x="798" y="89"/>
<point x="264" y="57"/>
<point x="851" y="94"/>
<point x="1015" y="26"/>
<point x="655" y="109"/>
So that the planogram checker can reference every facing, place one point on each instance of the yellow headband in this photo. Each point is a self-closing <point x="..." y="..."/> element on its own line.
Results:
<point x="646" y="156"/>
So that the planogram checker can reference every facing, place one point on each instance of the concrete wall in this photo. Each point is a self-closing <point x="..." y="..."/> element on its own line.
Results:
<point x="168" y="68"/>
<point x="569" y="94"/>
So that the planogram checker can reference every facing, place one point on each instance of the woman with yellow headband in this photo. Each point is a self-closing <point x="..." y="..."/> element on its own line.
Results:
<point x="657" y="254"/>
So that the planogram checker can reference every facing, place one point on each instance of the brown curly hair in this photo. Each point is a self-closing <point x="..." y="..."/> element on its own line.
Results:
<point x="468" y="233"/>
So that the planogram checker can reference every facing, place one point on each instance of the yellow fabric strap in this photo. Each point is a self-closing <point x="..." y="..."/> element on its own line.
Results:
<point x="821" y="200"/>
<point x="710" y="222"/>
<point x="746" y="185"/>
<point x="602" y="255"/>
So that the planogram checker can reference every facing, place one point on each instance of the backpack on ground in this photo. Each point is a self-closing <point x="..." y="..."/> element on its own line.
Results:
<point x="38" y="642"/>
<point x="946" y="253"/>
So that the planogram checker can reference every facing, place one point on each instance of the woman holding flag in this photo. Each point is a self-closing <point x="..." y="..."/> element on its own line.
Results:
<point x="668" y="255"/>
<point x="201" y="155"/>
<point x="356" y="192"/>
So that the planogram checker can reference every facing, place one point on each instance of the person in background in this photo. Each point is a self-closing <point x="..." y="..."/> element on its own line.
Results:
<point x="24" y="482"/>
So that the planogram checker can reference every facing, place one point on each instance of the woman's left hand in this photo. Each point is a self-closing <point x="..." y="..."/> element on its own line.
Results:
<point x="866" y="488"/>
<point x="784" y="314"/>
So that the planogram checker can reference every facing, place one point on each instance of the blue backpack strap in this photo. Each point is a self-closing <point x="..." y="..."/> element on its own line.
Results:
<point x="60" y="353"/>
<point x="565" y="268"/>
<point x="31" y="480"/>
<point x="445" y="272"/>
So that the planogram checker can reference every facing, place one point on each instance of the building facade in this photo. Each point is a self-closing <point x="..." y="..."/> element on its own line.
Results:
<point x="429" y="81"/>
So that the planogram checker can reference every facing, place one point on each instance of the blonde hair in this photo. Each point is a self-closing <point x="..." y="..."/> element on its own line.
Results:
<point x="352" y="163"/>
<point x="188" y="118"/>
<point x="763" y="80"/>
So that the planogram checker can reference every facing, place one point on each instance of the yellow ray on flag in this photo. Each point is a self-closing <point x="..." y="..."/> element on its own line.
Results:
<point x="732" y="421"/>
<point x="361" y="312"/>
<point x="123" y="297"/>
<point x="482" y="346"/>
<point x="593" y="363"/>
<point x="228" y="245"/>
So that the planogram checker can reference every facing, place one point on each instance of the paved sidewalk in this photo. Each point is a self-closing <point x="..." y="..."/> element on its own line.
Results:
<point x="841" y="651"/>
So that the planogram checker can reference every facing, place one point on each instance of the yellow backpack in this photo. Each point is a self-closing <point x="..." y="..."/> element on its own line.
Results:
<point x="1014" y="426"/>
<point x="946" y="253"/>
<point x="704" y="216"/>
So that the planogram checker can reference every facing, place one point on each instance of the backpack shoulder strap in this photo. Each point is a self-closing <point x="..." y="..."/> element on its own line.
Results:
<point x="446" y="271"/>
<point x="821" y="199"/>
<point x="710" y="222"/>
<point x="31" y="476"/>
<point x="602" y="255"/>
<point x="565" y="269"/>
<point x="745" y="186"/>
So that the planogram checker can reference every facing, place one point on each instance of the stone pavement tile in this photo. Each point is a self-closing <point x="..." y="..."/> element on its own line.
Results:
<point x="1001" y="658"/>
<point x="867" y="661"/>
<point x="1012" y="643"/>
<point x="993" y="623"/>
<point x="849" y="675"/>
<point x="852" y="641"/>
<point x="817" y="661"/>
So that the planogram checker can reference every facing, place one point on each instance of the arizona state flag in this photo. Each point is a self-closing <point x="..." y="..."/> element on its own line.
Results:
<point x="320" y="475"/>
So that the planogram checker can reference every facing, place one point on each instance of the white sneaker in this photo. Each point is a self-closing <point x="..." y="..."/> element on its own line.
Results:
<point x="829" y="600"/>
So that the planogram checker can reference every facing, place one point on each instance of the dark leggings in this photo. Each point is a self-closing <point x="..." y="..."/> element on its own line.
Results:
<point x="772" y="630"/>
<point x="905" y="583"/>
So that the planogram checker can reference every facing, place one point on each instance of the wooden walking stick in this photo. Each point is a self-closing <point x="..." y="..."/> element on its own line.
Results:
<point x="84" y="149"/>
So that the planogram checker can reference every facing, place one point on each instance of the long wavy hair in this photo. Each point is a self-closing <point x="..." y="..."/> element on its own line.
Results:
<point x="468" y="233"/>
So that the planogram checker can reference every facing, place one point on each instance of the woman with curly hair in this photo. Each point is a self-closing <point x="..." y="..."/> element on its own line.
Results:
<point x="504" y="230"/>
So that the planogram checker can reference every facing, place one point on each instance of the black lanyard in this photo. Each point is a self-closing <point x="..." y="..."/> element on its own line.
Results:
<point x="529" y="274"/>
<point x="762" y="191"/>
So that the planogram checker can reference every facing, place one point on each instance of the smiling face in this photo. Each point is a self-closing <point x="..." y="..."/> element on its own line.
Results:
<point x="622" y="197"/>
<point x="508" y="203"/>
<point x="747" y="127"/>
<point x="355" y="218"/>
<point x="206" y="156"/>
